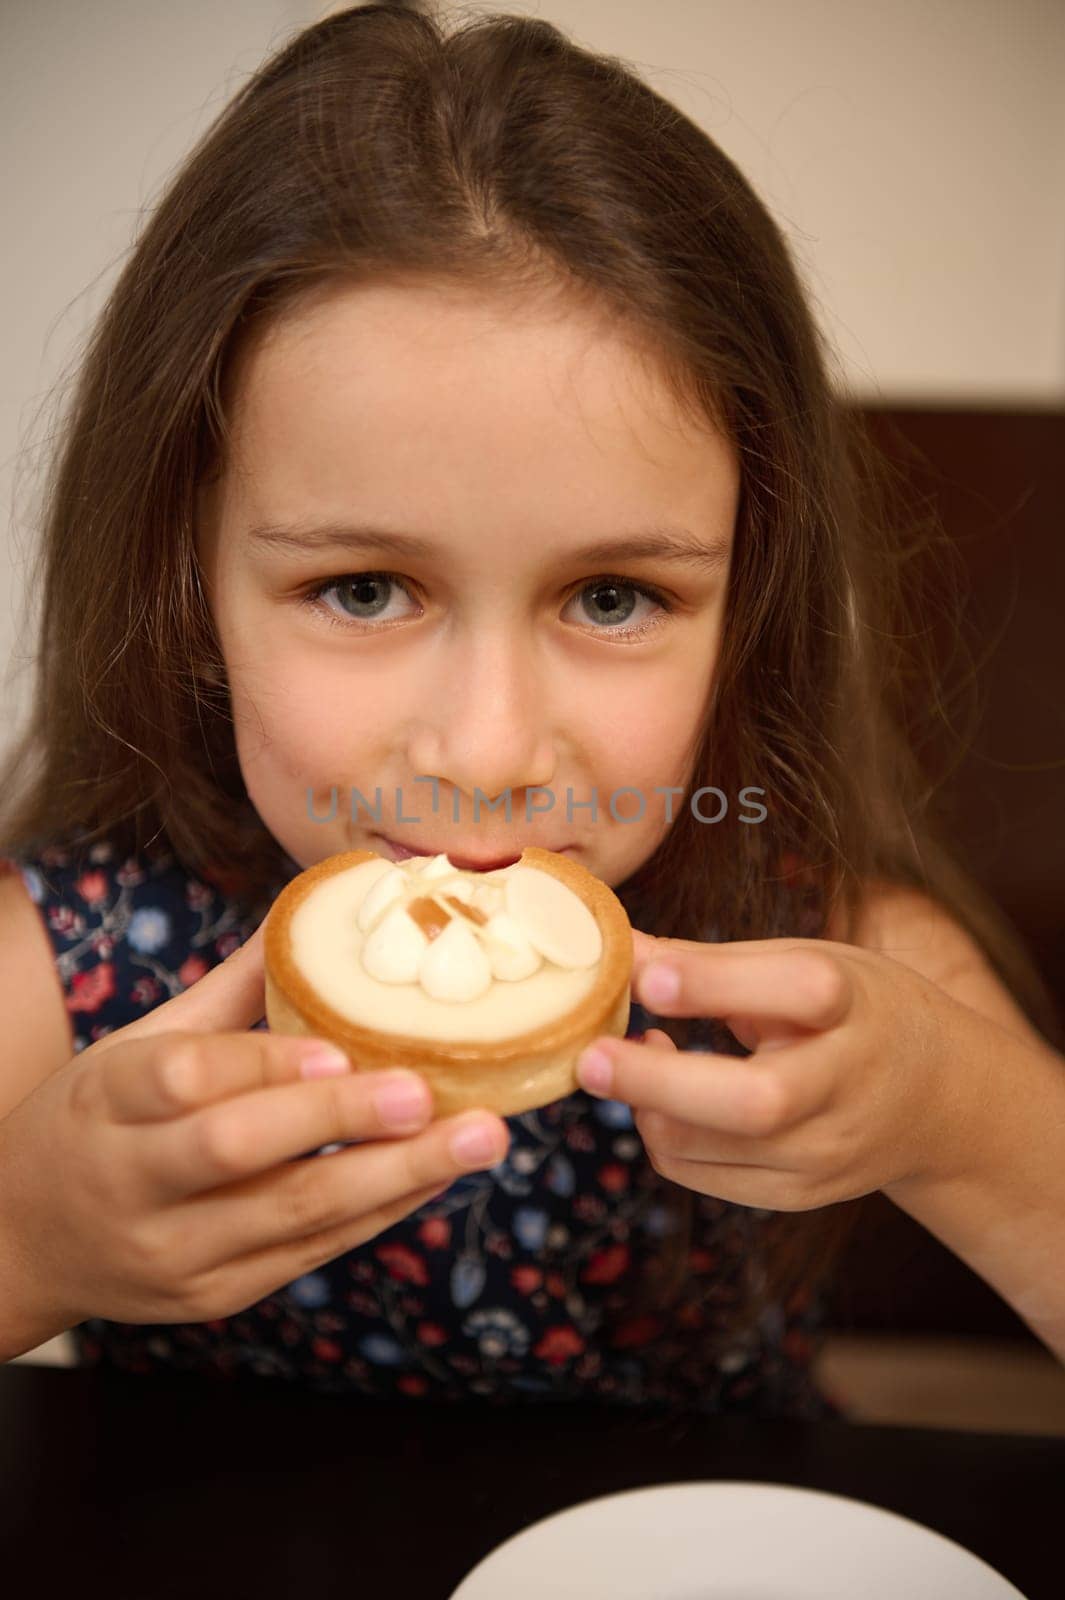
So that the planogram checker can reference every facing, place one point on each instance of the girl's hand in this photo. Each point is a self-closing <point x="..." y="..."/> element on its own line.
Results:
<point x="864" y="1073"/>
<point x="145" y="1181"/>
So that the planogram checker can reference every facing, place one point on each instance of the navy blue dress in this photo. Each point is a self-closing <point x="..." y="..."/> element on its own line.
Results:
<point x="517" y="1284"/>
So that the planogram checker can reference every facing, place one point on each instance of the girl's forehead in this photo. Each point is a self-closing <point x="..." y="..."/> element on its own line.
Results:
<point x="456" y="356"/>
<point x="439" y="410"/>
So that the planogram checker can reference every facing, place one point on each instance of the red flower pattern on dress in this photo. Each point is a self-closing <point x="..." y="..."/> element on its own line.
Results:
<point x="89" y="990"/>
<point x="364" y="1304"/>
<point x="435" y="1233"/>
<point x="361" y="1319"/>
<point x="402" y="1263"/>
<point x="559" y="1345"/>
<point x="93" y="888"/>
<point x="607" y="1266"/>
<point x="613" y="1178"/>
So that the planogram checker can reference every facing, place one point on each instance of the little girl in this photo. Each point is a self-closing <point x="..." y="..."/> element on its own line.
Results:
<point x="457" y="433"/>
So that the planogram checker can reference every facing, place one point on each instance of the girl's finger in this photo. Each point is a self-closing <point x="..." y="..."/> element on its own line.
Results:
<point x="644" y="948"/>
<point x="339" y="1194"/>
<point x="744" y="1184"/>
<point x="751" y="1097"/>
<point x="683" y="1145"/>
<point x="182" y="1072"/>
<point x="799" y="986"/>
<point x="252" y="1133"/>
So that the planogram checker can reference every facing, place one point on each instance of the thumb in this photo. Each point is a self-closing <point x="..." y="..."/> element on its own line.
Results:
<point x="230" y="997"/>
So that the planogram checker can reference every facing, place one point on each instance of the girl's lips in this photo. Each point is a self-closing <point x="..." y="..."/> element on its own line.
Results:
<point x="400" y="852"/>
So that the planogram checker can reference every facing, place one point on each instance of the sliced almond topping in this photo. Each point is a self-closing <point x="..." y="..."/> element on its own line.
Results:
<point x="429" y="916"/>
<point x="553" y="919"/>
<point x="472" y="912"/>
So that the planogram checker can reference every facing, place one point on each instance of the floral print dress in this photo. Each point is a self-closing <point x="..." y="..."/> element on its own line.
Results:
<point x="516" y="1284"/>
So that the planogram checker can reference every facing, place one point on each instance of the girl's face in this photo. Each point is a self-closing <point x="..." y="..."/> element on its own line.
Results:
<point x="399" y="563"/>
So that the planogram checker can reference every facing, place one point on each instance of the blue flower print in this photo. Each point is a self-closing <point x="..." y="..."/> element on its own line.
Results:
<point x="498" y="1332"/>
<point x="517" y="1282"/>
<point x="523" y="1161"/>
<point x="613" y="1113"/>
<point x="467" y="1280"/>
<point x="34" y="883"/>
<point x="385" y="1352"/>
<point x="516" y="1174"/>
<point x="559" y="1175"/>
<point x="658" y="1222"/>
<point x="149" y="930"/>
<point x="530" y="1227"/>
<point x="312" y="1290"/>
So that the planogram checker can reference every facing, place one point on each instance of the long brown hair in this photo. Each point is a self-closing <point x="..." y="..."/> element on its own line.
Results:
<point x="502" y="157"/>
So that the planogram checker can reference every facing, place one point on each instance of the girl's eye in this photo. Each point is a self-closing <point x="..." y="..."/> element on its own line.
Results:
<point x="365" y="592"/>
<point x="607" y="601"/>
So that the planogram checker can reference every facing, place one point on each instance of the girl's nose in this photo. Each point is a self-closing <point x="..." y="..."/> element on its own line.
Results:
<point x="486" y="723"/>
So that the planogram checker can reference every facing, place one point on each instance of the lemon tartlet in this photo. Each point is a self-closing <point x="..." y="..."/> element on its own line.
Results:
<point x="488" y="984"/>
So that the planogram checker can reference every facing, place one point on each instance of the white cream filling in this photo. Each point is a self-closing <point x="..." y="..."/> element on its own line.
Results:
<point x="327" y="947"/>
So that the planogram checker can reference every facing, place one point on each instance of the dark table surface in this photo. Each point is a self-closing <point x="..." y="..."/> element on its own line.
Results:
<point x="146" y="1488"/>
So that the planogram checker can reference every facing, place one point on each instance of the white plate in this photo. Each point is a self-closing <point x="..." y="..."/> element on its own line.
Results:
<point x="731" y="1541"/>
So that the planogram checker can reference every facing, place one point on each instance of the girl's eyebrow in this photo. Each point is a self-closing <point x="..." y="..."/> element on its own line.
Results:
<point x="663" y="543"/>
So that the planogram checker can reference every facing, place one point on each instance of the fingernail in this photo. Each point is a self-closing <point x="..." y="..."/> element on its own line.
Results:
<point x="323" y="1061"/>
<point x="595" y="1071"/>
<point x="403" y="1101"/>
<point x="475" y="1145"/>
<point x="661" y="984"/>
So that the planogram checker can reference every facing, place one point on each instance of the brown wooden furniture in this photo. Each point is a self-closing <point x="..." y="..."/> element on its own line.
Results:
<point x="998" y="481"/>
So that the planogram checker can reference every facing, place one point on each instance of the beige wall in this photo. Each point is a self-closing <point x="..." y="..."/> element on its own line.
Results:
<point x="914" y="151"/>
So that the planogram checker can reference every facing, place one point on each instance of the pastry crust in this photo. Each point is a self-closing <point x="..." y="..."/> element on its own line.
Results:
<point x="516" y="1074"/>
